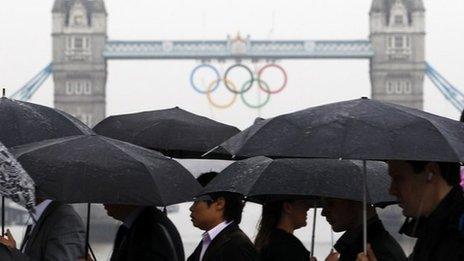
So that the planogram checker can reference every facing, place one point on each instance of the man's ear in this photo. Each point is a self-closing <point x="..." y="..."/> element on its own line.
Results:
<point x="287" y="207"/>
<point x="220" y="203"/>
<point x="432" y="170"/>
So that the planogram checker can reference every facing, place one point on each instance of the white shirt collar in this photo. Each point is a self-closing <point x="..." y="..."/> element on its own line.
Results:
<point x="39" y="209"/>
<point x="132" y="216"/>
<point x="212" y="233"/>
<point x="209" y="235"/>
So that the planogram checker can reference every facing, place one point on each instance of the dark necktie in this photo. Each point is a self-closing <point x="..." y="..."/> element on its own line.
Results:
<point x="26" y="238"/>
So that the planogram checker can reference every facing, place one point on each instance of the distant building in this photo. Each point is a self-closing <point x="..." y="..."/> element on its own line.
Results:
<point x="79" y="69"/>
<point x="397" y="34"/>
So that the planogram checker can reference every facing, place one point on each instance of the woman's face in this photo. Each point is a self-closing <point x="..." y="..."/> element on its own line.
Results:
<point x="298" y="212"/>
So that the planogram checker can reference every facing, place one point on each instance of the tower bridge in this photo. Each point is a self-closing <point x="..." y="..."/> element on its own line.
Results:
<point x="81" y="49"/>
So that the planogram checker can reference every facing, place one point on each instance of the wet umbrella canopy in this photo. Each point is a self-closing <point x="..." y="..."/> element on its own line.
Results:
<point x="96" y="169"/>
<point x="261" y="179"/>
<point x="356" y="129"/>
<point x="174" y="132"/>
<point x="24" y="122"/>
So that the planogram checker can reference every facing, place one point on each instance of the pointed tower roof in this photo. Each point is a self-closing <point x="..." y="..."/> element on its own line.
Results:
<point x="92" y="6"/>
<point x="417" y="5"/>
<point x="385" y="5"/>
<point x="378" y="6"/>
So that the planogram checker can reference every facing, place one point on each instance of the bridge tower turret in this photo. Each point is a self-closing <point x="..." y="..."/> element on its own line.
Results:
<point x="79" y="69"/>
<point x="397" y="34"/>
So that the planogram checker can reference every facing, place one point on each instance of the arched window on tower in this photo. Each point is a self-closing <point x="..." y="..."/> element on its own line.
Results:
<point x="398" y="15"/>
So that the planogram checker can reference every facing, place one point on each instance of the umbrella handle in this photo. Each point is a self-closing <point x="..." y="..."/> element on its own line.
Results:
<point x="87" y="234"/>
<point x="92" y="253"/>
<point x="3" y="214"/>
<point x="313" y="236"/>
<point x="364" y="208"/>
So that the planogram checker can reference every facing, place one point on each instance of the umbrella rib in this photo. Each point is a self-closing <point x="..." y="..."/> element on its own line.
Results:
<point x="248" y="135"/>
<point x="76" y="123"/>
<point x="18" y="152"/>
<point x="261" y="176"/>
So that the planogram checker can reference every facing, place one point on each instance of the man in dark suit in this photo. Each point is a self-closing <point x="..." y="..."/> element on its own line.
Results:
<point x="219" y="215"/>
<point x="57" y="234"/>
<point x="146" y="234"/>
<point x="433" y="202"/>
<point x="346" y="215"/>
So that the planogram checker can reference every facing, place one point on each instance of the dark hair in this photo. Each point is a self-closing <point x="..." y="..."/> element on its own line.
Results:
<point x="233" y="207"/>
<point x="233" y="202"/>
<point x="270" y="218"/>
<point x="449" y="171"/>
<point x="206" y="177"/>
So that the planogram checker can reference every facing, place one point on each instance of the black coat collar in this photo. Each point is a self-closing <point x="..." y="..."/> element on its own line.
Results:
<point x="222" y="238"/>
<point x="446" y="217"/>
<point x="352" y="241"/>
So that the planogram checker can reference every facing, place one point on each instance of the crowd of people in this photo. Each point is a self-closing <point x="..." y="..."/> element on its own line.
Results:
<point x="428" y="192"/>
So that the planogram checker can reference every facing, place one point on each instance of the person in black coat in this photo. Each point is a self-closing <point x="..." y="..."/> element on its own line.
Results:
<point x="275" y="240"/>
<point x="433" y="202"/>
<point x="219" y="215"/>
<point x="146" y="234"/>
<point x="346" y="215"/>
<point x="5" y="253"/>
<point x="440" y="235"/>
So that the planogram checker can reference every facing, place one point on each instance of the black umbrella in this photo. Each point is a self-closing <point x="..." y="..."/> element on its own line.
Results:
<point x="24" y="122"/>
<point x="174" y="132"/>
<point x="96" y="169"/>
<point x="261" y="179"/>
<point x="356" y="129"/>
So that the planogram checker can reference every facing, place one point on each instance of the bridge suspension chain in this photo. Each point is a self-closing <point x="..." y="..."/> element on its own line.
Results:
<point x="27" y="91"/>
<point x="451" y="93"/>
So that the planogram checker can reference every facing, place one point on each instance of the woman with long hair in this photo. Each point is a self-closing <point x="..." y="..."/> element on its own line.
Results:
<point x="275" y="240"/>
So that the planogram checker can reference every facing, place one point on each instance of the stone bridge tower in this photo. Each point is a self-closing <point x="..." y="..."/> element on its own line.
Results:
<point x="79" y="69"/>
<point x="397" y="34"/>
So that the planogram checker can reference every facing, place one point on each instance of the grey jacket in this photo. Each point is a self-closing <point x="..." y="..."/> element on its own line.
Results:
<point x="58" y="235"/>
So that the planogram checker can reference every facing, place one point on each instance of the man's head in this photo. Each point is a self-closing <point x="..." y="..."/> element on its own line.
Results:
<point x="224" y="206"/>
<point x="119" y="211"/>
<point x="420" y="185"/>
<point x="344" y="214"/>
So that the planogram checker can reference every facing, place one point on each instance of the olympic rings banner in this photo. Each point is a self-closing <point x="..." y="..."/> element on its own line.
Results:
<point x="238" y="87"/>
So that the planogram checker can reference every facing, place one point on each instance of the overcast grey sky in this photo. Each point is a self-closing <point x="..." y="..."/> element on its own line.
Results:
<point x="25" y="48"/>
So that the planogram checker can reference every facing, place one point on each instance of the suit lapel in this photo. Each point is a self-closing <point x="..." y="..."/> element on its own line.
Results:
<point x="195" y="256"/>
<point x="222" y="238"/>
<point x="122" y="251"/>
<point x="50" y="208"/>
